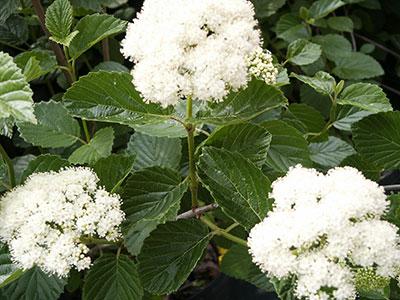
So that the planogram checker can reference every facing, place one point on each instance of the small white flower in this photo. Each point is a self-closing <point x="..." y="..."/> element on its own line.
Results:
<point x="43" y="220"/>
<point x="200" y="49"/>
<point x="324" y="228"/>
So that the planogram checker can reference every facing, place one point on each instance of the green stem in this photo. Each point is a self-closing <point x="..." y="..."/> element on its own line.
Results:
<point x="332" y="118"/>
<point x="190" y="128"/>
<point x="86" y="130"/>
<point x="222" y="232"/>
<point x="10" y="166"/>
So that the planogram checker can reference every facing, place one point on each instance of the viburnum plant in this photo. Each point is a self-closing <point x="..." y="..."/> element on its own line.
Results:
<point x="115" y="181"/>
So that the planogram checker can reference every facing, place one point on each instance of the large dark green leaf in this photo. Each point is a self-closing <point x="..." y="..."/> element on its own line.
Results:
<point x="237" y="263"/>
<point x="304" y="118"/>
<point x="8" y="271"/>
<point x="7" y="8"/>
<point x="54" y="128"/>
<point x="14" y="31"/>
<point x="112" y="170"/>
<point x="170" y="254"/>
<point x="111" y="97"/>
<point x="347" y="115"/>
<point x="34" y="284"/>
<point x="236" y="184"/>
<point x="92" y="29"/>
<point x="334" y="46"/>
<point x="44" y="163"/>
<point x="330" y="153"/>
<point x="359" y="162"/>
<point x="341" y="23"/>
<point x="357" y="66"/>
<point x="151" y="197"/>
<point x="377" y="137"/>
<point x="113" y="278"/>
<point x="290" y="28"/>
<point x="155" y="151"/>
<point x="288" y="147"/>
<point x="245" y="104"/>
<point x="99" y="146"/>
<point x="250" y="140"/>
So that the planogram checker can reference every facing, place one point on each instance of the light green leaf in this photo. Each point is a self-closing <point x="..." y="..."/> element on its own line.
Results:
<point x="113" y="278"/>
<point x="236" y="184"/>
<point x="244" y="105"/>
<point x="55" y="127"/>
<point x="347" y="115"/>
<point x="290" y="28"/>
<point x="59" y="18"/>
<point x="304" y="118"/>
<point x="165" y="128"/>
<point x="330" y="153"/>
<point x="302" y="52"/>
<point x="288" y="147"/>
<point x="14" y="31"/>
<point x="100" y="146"/>
<point x="322" y="82"/>
<point x="266" y="8"/>
<point x="44" y="163"/>
<point x="155" y="151"/>
<point x="377" y="137"/>
<point x="34" y="284"/>
<point x="170" y="254"/>
<point x="8" y="271"/>
<point x="15" y="94"/>
<point x="357" y="66"/>
<point x="250" y="140"/>
<point x="334" y="46"/>
<point x="341" y="24"/>
<point x="113" y="170"/>
<point x="366" y="96"/>
<point x="92" y="29"/>
<point x="111" y="97"/>
<point x="322" y="8"/>
<point x="7" y="8"/>
<point x="46" y="60"/>
<point x="237" y="263"/>
<point x="32" y="69"/>
<point x="151" y="197"/>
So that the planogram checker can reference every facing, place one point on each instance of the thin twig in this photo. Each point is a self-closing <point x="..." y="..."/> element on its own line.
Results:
<point x="197" y="212"/>
<point x="384" y="48"/>
<point x="392" y="187"/>
<point x="393" y="90"/>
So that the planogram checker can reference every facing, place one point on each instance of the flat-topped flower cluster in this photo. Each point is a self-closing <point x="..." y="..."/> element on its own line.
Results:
<point x="200" y="49"/>
<point x="326" y="231"/>
<point x="44" y="220"/>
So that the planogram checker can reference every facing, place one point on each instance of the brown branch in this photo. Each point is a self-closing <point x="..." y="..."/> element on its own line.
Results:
<point x="197" y="212"/>
<point x="106" y="49"/>
<point x="384" y="48"/>
<point x="62" y="61"/>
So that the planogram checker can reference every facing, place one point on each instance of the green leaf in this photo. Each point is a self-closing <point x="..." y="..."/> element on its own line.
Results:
<point x="14" y="31"/>
<point x="151" y="197"/>
<point x="170" y="254"/>
<point x="44" y="163"/>
<point x="59" y="18"/>
<point x="15" y="94"/>
<point x="288" y="147"/>
<point x="45" y="59"/>
<point x="34" y="284"/>
<point x="322" y="82"/>
<point x="92" y="29"/>
<point x="237" y="264"/>
<point x="330" y="153"/>
<point x="302" y="52"/>
<point x="110" y="66"/>
<point x="55" y="127"/>
<point x="111" y="97"/>
<point x="347" y="115"/>
<point x="357" y="66"/>
<point x="341" y="24"/>
<point x="250" y="140"/>
<point x="7" y="8"/>
<point x="322" y="8"/>
<point x="244" y="105"/>
<point x="266" y="8"/>
<point x="112" y="170"/>
<point x="304" y="118"/>
<point x="369" y="169"/>
<point x="20" y="164"/>
<point x="155" y="151"/>
<point x="32" y="69"/>
<point x="285" y="288"/>
<point x="236" y="184"/>
<point x="290" y="28"/>
<point x="366" y="96"/>
<point x="377" y="137"/>
<point x="165" y="128"/>
<point x="334" y="46"/>
<point x="100" y="146"/>
<point x="113" y="278"/>
<point x="8" y="271"/>
<point x="393" y="215"/>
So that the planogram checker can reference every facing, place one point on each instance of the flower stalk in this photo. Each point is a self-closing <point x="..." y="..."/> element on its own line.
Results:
<point x="190" y="128"/>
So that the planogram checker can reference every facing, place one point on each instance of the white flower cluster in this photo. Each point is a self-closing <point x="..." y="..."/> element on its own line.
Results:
<point x="44" y="220"/>
<point x="324" y="228"/>
<point x="191" y="48"/>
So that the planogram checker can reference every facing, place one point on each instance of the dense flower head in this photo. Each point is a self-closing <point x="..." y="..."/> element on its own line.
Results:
<point x="44" y="220"/>
<point x="326" y="230"/>
<point x="199" y="49"/>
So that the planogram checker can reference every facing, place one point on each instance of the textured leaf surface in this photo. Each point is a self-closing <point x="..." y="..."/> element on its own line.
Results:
<point x="44" y="163"/>
<point x="46" y="62"/>
<point x="334" y="46"/>
<point x="170" y="254"/>
<point x="99" y="146"/>
<point x="55" y="127"/>
<point x="330" y="153"/>
<point x="377" y="137"/>
<point x="322" y="8"/>
<point x="304" y="118"/>
<point x="302" y="52"/>
<point x="59" y="17"/>
<point x="7" y="8"/>
<point x="236" y="184"/>
<point x="113" y="278"/>
<point x="347" y="115"/>
<point x="341" y="24"/>
<point x="322" y="82"/>
<point x="151" y="197"/>
<point x="357" y="66"/>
